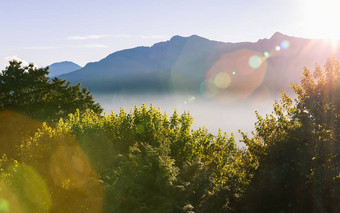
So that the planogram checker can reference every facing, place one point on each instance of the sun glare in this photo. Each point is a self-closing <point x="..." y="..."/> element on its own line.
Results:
<point x="320" y="18"/>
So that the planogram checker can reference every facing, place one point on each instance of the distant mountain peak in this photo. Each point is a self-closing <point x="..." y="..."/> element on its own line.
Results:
<point x="278" y="35"/>
<point x="178" y="37"/>
<point x="64" y="62"/>
<point x="62" y="67"/>
<point x="196" y="36"/>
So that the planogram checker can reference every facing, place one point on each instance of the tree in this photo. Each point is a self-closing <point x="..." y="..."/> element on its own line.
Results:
<point x="28" y="90"/>
<point x="143" y="160"/>
<point x="298" y="149"/>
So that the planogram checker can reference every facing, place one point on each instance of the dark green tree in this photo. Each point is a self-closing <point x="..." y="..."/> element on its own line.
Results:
<point x="297" y="149"/>
<point x="27" y="90"/>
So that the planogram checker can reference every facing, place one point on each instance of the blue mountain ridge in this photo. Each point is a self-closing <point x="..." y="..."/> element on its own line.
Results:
<point x="63" y="67"/>
<point x="183" y="64"/>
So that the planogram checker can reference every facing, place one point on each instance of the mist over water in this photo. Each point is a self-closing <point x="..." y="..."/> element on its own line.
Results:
<point x="206" y="112"/>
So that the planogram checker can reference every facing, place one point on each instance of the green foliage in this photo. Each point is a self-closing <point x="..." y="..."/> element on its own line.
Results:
<point x="143" y="160"/>
<point x="144" y="182"/>
<point x="14" y="128"/>
<point x="29" y="91"/>
<point x="297" y="149"/>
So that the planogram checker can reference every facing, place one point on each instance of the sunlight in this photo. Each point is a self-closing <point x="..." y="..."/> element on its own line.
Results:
<point x="334" y="45"/>
<point x="319" y="18"/>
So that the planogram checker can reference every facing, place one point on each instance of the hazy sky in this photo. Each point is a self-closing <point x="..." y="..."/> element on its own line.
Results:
<point x="48" y="31"/>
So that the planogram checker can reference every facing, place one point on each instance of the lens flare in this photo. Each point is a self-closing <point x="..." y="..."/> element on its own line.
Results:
<point x="34" y="194"/>
<point x="211" y="87"/>
<point x="70" y="162"/>
<point x="203" y="88"/>
<point x="284" y="44"/>
<point x="9" y="201"/>
<point x="222" y="80"/>
<point x="266" y="54"/>
<point x="277" y="48"/>
<point x="255" y="61"/>
<point x="234" y="76"/>
<point x="190" y="100"/>
<point x="208" y="88"/>
<point x="4" y="205"/>
<point x="70" y="168"/>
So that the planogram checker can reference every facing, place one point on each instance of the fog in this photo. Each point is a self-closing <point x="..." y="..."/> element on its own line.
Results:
<point x="229" y="117"/>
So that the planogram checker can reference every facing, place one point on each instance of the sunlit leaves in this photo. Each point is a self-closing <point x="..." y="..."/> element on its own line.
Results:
<point x="144" y="159"/>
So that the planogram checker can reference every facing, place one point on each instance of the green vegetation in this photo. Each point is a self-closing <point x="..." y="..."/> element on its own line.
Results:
<point x="28" y="96"/>
<point x="298" y="149"/>
<point x="28" y="90"/>
<point x="145" y="161"/>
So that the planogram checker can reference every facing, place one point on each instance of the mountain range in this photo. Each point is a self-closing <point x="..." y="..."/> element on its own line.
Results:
<point x="198" y="65"/>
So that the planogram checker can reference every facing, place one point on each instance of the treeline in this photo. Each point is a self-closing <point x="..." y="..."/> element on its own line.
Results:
<point x="147" y="161"/>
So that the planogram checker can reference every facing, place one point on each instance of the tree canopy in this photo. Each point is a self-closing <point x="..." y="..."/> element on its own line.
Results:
<point x="140" y="161"/>
<point x="28" y="90"/>
<point x="298" y="148"/>
<point x="145" y="161"/>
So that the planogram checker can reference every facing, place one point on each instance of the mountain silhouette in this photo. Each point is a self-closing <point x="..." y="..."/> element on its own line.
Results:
<point x="63" y="67"/>
<point x="198" y="65"/>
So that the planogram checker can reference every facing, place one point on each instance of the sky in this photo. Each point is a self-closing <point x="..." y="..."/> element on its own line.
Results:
<point x="47" y="31"/>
